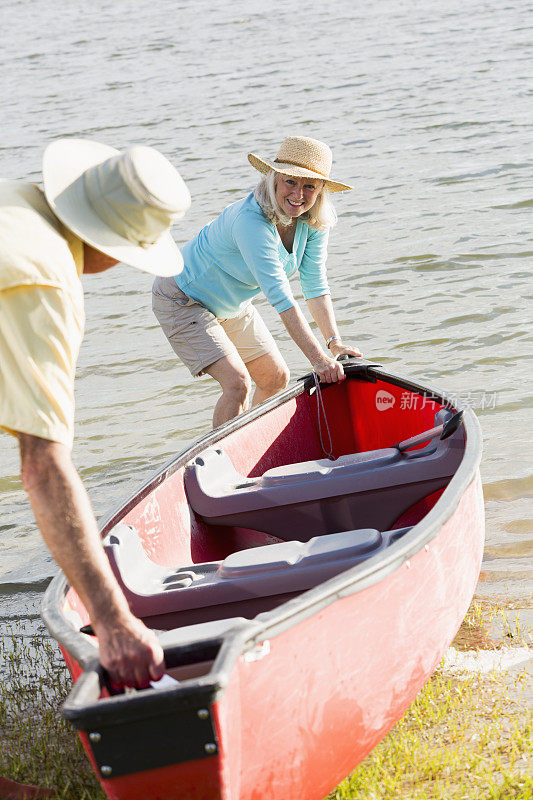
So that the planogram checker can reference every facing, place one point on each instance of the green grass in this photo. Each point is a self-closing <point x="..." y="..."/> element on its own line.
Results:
<point x="37" y="745"/>
<point x="461" y="738"/>
<point x="468" y="737"/>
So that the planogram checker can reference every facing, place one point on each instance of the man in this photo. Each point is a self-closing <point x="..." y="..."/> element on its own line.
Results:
<point x="99" y="207"/>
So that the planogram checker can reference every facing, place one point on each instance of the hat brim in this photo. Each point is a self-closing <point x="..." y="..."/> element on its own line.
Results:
<point x="297" y="172"/>
<point x="64" y="162"/>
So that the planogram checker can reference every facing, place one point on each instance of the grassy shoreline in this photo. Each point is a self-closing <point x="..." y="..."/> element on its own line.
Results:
<point x="468" y="738"/>
<point x="467" y="735"/>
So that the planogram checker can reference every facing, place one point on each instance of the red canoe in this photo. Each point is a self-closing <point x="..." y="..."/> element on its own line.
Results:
<point x="307" y="575"/>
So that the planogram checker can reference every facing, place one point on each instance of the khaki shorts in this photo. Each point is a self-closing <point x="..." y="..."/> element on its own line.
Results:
<point x="41" y="329"/>
<point x="198" y="337"/>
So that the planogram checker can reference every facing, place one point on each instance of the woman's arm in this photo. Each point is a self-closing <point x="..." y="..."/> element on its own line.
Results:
<point x="327" y="369"/>
<point x="321" y="309"/>
<point x="258" y="246"/>
<point x="316" y="292"/>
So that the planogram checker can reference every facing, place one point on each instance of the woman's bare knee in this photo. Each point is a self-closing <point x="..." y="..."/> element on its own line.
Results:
<point x="233" y="378"/>
<point x="274" y="380"/>
<point x="281" y="379"/>
<point x="238" y="387"/>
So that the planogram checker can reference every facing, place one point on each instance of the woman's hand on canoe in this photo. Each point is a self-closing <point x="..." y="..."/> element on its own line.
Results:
<point x="339" y="349"/>
<point x="328" y="370"/>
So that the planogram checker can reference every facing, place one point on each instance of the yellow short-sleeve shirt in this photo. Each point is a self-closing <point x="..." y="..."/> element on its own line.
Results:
<point x="41" y="315"/>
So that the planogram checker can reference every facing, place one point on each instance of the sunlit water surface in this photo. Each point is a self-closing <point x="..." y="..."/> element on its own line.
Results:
<point x="426" y="108"/>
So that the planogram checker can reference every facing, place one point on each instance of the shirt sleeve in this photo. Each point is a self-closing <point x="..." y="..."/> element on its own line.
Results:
<point x="257" y="242"/>
<point x="313" y="276"/>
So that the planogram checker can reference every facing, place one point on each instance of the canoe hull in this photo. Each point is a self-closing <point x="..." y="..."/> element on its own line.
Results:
<point x="295" y="697"/>
<point x="358" y="663"/>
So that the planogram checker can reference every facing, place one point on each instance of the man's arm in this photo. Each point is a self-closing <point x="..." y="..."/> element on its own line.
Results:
<point x="128" y="650"/>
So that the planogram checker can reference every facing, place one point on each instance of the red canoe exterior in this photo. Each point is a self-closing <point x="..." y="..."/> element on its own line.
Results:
<point x="298" y="695"/>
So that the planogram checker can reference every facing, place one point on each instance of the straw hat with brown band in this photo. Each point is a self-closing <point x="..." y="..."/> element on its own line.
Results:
<point x="301" y="157"/>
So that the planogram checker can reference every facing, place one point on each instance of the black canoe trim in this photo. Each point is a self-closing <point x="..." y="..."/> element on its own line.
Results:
<point x="296" y="610"/>
<point x="164" y="737"/>
<point x="145" y="730"/>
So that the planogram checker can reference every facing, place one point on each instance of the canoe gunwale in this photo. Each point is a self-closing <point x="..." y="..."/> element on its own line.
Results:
<point x="83" y="709"/>
<point x="271" y="623"/>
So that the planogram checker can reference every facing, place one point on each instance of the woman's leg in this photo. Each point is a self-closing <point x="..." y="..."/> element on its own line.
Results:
<point x="259" y="352"/>
<point x="270" y="375"/>
<point x="235" y="383"/>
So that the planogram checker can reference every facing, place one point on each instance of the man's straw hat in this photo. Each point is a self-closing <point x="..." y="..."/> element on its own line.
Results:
<point x="120" y="203"/>
<point x="301" y="157"/>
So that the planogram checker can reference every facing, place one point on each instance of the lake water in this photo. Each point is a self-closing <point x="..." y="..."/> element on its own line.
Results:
<point x="426" y="108"/>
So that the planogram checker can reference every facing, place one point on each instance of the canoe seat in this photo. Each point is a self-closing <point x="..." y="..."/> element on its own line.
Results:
<point x="235" y="584"/>
<point x="313" y="498"/>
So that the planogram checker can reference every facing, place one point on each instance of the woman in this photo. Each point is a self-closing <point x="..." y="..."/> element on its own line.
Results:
<point x="256" y="244"/>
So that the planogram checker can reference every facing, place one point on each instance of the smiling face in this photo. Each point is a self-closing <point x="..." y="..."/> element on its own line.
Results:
<point x="295" y="196"/>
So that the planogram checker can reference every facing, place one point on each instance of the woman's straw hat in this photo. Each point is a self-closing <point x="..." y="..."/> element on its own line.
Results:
<point x="301" y="157"/>
<point x="120" y="203"/>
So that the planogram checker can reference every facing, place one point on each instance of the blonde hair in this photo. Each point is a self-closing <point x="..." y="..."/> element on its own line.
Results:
<point x="321" y="216"/>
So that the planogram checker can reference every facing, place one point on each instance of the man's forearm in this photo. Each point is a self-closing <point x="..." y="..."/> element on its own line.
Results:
<point x="128" y="650"/>
<point x="63" y="513"/>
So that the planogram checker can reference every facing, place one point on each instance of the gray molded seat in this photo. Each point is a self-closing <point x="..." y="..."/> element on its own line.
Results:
<point x="275" y="569"/>
<point x="298" y="501"/>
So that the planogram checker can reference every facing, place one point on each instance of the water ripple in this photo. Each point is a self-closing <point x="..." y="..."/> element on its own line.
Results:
<point x="429" y="264"/>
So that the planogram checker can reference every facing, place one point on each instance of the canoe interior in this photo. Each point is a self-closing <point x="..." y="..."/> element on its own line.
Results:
<point x="351" y="417"/>
<point x="282" y="692"/>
